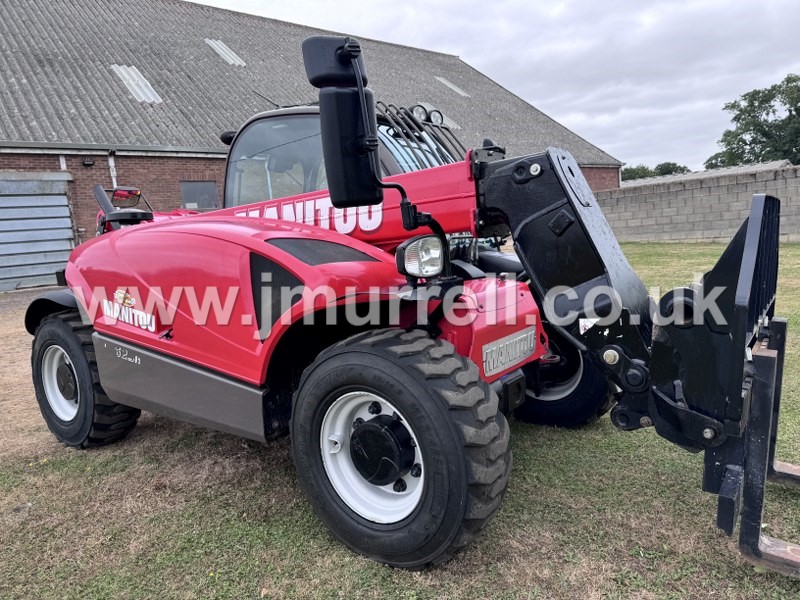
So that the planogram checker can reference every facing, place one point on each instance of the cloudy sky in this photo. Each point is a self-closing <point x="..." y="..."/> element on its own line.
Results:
<point x="643" y="80"/>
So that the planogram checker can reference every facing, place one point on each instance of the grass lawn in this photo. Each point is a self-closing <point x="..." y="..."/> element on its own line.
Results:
<point x="177" y="511"/>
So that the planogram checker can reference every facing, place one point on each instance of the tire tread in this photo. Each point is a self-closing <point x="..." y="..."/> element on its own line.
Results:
<point x="472" y="405"/>
<point x="111" y="421"/>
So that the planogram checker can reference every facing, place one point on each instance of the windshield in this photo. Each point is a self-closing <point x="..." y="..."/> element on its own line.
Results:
<point x="275" y="157"/>
<point x="412" y="152"/>
<point x="281" y="156"/>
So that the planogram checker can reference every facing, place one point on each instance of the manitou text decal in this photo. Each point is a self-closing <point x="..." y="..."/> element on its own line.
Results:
<point x="320" y="212"/>
<point x="501" y="354"/>
<point x="122" y="310"/>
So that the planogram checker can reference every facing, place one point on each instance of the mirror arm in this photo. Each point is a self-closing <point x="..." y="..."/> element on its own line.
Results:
<point x="412" y="218"/>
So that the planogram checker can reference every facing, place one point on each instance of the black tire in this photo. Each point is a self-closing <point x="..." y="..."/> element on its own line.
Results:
<point x="586" y="396"/>
<point x="97" y="420"/>
<point x="461" y="439"/>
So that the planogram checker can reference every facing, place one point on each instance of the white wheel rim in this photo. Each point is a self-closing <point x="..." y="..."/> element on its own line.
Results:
<point x="379" y="504"/>
<point x="560" y="390"/>
<point x="53" y="360"/>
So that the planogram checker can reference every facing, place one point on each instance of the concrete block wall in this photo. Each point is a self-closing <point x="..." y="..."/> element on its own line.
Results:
<point x="700" y="209"/>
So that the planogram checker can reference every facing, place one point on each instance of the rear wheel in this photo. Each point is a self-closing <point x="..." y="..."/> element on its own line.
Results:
<point x="67" y="385"/>
<point x="399" y="446"/>
<point x="572" y="393"/>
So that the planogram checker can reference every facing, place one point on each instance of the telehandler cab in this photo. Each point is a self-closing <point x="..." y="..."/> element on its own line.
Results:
<point x="344" y="316"/>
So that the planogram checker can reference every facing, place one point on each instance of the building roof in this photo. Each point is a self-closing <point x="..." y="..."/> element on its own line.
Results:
<point x="721" y="172"/>
<point x="64" y="63"/>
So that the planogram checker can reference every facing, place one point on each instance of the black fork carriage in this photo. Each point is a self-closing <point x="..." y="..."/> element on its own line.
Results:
<point x="738" y="469"/>
<point x="738" y="466"/>
<point x="703" y="366"/>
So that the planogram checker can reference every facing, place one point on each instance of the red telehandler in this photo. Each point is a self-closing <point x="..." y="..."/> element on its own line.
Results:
<point x="345" y="314"/>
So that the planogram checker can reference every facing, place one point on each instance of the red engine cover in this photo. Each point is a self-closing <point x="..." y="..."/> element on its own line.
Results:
<point x="193" y="266"/>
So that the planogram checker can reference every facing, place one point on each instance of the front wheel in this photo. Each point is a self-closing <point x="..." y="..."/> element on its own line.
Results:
<point x="574" y="393"/>
<point x="67" y="385"/>
<point x="399" y="446"/>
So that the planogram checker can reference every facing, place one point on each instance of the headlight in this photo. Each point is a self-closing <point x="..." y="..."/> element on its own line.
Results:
<point x="436" y="117"/>
<point x="420" y="112"/>
<point x="421" y="256"/>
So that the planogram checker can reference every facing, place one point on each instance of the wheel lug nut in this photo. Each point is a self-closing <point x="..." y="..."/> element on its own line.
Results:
<point x="416" y="470"/>
<point x="413" y="443"/>
<point x="374" y="408"/>
<point x="357" y="422"/>
<point x="396" y="417"/>
<point x="399" y="486"/>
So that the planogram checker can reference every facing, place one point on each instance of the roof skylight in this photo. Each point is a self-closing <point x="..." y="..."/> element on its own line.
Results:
<point x="228" y="55"/>
<point x="453" y="87"/>
<point x="137" y="84"/>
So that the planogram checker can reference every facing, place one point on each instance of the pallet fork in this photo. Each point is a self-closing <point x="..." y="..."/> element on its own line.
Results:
<point x="703" y="366"/>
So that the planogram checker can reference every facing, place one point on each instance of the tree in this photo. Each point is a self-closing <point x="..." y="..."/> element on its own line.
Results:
<point x="766" y="126"/>
<point x="643" y="171"/>
<point x="670" y="168"/>
<point x="637" y="172"/>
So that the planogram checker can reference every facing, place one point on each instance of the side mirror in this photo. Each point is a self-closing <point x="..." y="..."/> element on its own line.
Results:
<point x="125" y="197"/>
<point x="348" y="126"/>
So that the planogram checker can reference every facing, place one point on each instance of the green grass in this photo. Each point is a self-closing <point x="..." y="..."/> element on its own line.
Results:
<point x="180" y="512"/>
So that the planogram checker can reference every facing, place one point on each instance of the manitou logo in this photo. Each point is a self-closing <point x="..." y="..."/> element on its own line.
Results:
<point x="320" y="212"/>
<point x="122" y="310"/>
<point x="510" y="350"/>
<point x="124" y="298"/>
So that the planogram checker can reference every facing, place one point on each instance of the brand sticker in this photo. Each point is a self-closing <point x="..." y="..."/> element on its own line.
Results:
<point x="320" y="212"/>
<point x="121" y="309"/>
<point x="508" y="351"/>
<point x="124" y="298"/>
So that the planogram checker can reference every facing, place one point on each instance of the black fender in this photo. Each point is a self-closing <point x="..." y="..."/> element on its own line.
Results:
<point x="48" y="303"/>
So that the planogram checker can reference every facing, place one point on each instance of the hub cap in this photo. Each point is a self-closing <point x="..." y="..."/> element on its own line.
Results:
<point x="381" y="450"/>
<point x="371" y="457"/>
<point x="60" y="383"/>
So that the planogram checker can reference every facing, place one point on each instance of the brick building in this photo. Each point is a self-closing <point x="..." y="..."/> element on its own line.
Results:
<point x="136" y="92"/>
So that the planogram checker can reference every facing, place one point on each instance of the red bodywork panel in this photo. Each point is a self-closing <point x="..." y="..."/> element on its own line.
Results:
<point x="196" y="254"/>
<point x="501" y="328"/>
<point x="150" y="283"/>
<point x="447" y="192"/>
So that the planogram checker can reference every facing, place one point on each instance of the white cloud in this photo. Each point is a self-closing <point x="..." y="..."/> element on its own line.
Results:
<point x="644" y="81"/>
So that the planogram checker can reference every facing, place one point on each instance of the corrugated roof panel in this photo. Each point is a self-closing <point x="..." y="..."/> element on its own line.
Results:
<point x="228" y="55"/>
<point x="57" y="85"/>
<point x="452" y="86"/>
<point x="137" y="84"/>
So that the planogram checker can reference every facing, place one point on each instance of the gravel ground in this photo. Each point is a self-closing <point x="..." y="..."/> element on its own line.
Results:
<point x="22" y="429"/>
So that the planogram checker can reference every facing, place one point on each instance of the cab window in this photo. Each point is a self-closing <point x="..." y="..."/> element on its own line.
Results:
<point x="275" y="157"/>
<point x="412" y="151"/>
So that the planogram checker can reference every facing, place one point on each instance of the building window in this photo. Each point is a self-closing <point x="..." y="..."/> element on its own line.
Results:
<point x="199" y="195"/>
